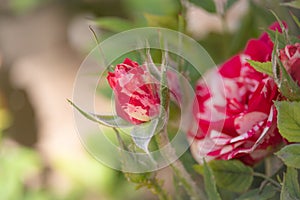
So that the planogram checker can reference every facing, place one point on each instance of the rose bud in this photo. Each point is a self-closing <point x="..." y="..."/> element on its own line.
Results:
<point x="136" y="92"/>
<point x="290" y="57"/>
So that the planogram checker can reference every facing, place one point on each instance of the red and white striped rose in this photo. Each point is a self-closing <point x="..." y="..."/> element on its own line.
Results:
<point x="234" y="108"/>
<point x="136" y="92"/>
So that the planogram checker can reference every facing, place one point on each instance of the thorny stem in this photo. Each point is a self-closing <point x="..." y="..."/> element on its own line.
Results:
<point x="180" y="172"/>
<point x="267" y="178"/>
<point x="163" y="142"/>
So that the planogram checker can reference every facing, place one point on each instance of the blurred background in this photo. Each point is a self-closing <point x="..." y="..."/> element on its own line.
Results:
<point x="42" y="44"/>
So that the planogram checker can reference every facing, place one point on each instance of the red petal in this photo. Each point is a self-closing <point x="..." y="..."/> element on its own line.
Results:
<point x="258" y="50"/>
<point x="231" y="68"/>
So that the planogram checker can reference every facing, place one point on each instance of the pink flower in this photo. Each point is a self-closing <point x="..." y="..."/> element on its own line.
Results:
<point x="234" y="109"/>
<point x="136" y="92"/>
<point x="290" y="57"/>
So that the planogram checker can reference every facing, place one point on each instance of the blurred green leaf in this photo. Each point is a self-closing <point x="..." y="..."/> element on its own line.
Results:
<point x="267" y="193"/>
<point x="210" y="183"/>
<point x="294" y="4"/>
<point x="24" y="5"/>
<point x="17" y="165"/>
<point x="296" y="20"/>
<point x="232" y="174"/>
<point x="114" y="24"/>
<point x="161" y="21"/>
<point x="290" y="186"/>
<point x="208" y="5"/>
<point x="263" y="67"/>
<point x="155" y="7"/>
<point x="288" y="120"/>
<point x="290" y="155"/>
<point x="86" y="174"/>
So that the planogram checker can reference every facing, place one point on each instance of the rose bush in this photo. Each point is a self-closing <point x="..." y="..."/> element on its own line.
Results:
<point x="290" y="57"/>
<point x="234" y="108"/>
<point x="136" y="92"/>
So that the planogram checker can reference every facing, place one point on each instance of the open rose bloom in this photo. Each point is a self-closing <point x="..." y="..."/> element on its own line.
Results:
<point x="136" y="92"/>
<point x="234" y="112"/>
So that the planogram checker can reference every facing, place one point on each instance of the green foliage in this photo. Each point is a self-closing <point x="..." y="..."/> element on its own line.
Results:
<point x="161" y="21"/>
<point x="265" y="67"/>
<point x="114" y="24"/>
<point x="17" y="165"/>
<point x="288" y="120"/>
<point x="296" y="20"/>
<point x="137" y="9"/>
<point x="294" y="4"/>
<point x="290" y="155"/>
<point x="266" y="193"/>
<point x="232" y="175"/>
<point x="275" y="35"/>
<point x="156" y="7"/>
<point x="23" y="6"/>
<point x="210" y="183"/>
<point x="290" y="186"/>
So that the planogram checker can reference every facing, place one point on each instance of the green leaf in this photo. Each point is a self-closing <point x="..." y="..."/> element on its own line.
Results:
<point x="290" y="186"/>
<point x="290" y="155"/>
<point x="294" y="4"/>
<point x="296" y="20"/>
<point x="114" y="24"/>
<point x="143" y="133"/>
<point x="263" y="67"/>
<point x="232" y="175"/>
<point x="106" y="120"/>
<point x="208" y="5"/>
<point x="280" y="38"/>
<point x="288" y="120"/>
<point x="267" y="193"/>
<point x="210" y="183"/>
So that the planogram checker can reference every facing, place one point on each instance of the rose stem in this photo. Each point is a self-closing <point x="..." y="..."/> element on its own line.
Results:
<point x="163" y="142"/>
<point x="157" y="188"/>
<point x="178" y="169"/>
